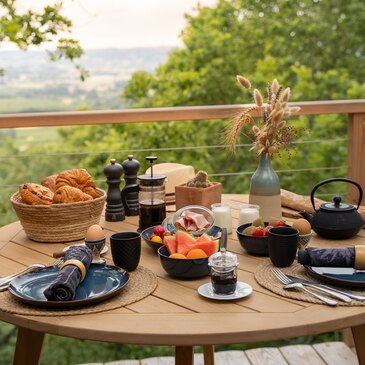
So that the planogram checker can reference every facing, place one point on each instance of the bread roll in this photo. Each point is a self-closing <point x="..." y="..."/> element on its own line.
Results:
<point x="50" y="182"/>
<point x="70" y="194"/>
<point x="298" y="202"/>
<point x="78" y="178"/>
<point x="35" y="194"/>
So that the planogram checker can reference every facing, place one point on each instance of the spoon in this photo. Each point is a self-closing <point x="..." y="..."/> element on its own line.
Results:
<point x="223" y="244"/>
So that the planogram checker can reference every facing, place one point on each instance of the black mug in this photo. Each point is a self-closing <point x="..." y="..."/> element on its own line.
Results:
<point x="282" y="243"/>
<point x="126" y="249"/>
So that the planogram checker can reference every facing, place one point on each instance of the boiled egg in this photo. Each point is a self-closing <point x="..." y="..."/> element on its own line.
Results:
<point x="94" y="233"/>
<point x="303" y="226"/>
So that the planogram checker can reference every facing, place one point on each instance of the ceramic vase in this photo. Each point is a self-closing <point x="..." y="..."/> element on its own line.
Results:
<point x="265" y="189"/>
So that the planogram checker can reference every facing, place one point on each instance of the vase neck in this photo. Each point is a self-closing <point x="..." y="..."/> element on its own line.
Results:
<point x="265" y="161"/>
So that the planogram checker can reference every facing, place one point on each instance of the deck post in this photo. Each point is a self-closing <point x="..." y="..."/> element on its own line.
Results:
<point x="356" y="153"/>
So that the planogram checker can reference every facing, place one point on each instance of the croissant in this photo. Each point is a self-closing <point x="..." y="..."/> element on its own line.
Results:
<point x="35" y="194"/>
<point x="78" y="178"/>
<point x="70" y="194"/>
<point x="50" y="182"/>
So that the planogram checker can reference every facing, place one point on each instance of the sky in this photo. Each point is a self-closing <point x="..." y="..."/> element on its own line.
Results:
<point x="123" y="23"/>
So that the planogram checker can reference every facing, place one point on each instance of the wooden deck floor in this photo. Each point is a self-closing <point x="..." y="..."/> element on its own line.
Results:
<point x="328" y="353"/>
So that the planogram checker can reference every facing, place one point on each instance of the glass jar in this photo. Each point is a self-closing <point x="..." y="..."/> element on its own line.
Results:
<point x="223" y="272"/>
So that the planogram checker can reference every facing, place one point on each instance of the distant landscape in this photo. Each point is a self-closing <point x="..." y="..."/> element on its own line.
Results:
<point x="32" y="83"/>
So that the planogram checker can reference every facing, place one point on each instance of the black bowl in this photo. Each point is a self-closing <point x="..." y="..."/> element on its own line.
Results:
<point x="146" y="234"/>
<point x="253" y="245"/>
<point x="183" y="268"/>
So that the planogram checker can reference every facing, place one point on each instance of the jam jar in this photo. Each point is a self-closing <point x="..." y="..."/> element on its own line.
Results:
<point x="223" y="274"/>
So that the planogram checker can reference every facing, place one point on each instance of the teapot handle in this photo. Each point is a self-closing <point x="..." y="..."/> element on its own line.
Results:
<point x="337" y="179"/>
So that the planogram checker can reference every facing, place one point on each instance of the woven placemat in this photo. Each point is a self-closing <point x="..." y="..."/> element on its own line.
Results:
<point x="267" y="279"/>
<point x="142" y="282"/>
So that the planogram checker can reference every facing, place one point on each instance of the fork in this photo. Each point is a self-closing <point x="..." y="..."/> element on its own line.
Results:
<point x="5" y="281"/>
<point x="289" y="284"/>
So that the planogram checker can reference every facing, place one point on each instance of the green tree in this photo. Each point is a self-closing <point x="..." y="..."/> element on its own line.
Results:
<point x="32" y="28"/>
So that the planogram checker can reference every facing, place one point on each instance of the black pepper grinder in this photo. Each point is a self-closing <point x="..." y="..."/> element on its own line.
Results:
<point x="131" y="167"/>
<point x="114" y="210"/>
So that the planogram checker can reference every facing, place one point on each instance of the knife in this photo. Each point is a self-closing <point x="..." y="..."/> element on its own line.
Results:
<point x="339" y="294"/>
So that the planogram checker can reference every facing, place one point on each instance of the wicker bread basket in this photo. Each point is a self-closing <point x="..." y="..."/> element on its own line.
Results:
<point x="59" y="222"/>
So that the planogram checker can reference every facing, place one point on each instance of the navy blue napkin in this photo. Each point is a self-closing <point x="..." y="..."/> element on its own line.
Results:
<point x="68" y="278"/>
<point x="327" y="257"/>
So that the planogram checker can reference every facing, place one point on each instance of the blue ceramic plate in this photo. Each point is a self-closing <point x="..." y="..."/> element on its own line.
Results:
<point x="101" y="282"/>
<point x="342" y="276"/>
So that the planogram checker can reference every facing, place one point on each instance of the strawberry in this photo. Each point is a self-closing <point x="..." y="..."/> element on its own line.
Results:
<point x="266" y="230"/>
<point x="159" y="231"/>
<point x="279" y="223"/>
<point x="257" y="232"/>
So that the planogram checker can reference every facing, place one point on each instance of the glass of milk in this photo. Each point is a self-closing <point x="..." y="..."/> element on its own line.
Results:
<point x="222" y="216"/>
<point x="248" y="213"/>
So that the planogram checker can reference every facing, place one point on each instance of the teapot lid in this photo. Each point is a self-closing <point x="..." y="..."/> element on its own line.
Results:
<point x="337" y="206"/>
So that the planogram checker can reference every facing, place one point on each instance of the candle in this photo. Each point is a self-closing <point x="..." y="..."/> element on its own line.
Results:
<point x="248" y="213"/>
<point x="222" y="216"/>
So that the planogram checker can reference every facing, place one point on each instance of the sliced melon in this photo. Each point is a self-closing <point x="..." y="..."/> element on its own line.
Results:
<point x="184" y="241"/>
<point x="209" y="247"/>
<point x="203" y="238"/>
<point x="170" y="243"/>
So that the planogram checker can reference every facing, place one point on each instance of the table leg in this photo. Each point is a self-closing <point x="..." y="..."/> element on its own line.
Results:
<point x="28" y="347"/>
<point x="208" y="354"/>
<point x="184" y="355"/>
<point x="358" y="333"/>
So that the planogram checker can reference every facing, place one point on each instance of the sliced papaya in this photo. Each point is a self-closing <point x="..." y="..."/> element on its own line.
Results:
<point x="184" y="241"/>
<point x="170" y="243"/>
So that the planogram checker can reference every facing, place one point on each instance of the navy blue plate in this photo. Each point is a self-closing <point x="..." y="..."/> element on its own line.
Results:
<point x="341" y="276"/>
<point x="101" y="282"/>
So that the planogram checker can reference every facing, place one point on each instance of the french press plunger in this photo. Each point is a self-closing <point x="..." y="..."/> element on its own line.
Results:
<point x="151" y="197"/>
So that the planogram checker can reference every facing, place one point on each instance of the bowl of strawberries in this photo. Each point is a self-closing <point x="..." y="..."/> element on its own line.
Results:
<point x="253" y="237"/>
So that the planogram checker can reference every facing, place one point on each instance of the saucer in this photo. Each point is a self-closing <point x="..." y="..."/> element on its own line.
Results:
<point x="242" y="290"/>
<point x="103" y="251"/>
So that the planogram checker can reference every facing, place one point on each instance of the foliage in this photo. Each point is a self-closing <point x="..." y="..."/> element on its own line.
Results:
<point x="32" y="28"/>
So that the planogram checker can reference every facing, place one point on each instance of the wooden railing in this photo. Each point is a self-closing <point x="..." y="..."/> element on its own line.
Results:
<point x="355" y="109"/>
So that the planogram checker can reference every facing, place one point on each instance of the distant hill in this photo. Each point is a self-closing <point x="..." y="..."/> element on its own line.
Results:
<point x="33" y="83"/>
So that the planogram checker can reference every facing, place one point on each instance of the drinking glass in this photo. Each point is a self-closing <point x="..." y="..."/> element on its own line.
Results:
<point x="222" y="216"/>
<point x="248" y="213"/>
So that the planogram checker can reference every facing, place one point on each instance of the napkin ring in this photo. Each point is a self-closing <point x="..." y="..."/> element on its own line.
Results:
<point x="359" y="257"/>
<point x="77" y="263"/>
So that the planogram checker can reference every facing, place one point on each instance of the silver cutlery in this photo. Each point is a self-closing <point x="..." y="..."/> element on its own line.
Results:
<point x="317" y="285"/>
<point x="5" y="281"/>
<point x="288" y="284"/>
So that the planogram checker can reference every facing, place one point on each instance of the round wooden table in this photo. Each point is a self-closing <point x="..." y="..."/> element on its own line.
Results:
<point x="175" y="314"/>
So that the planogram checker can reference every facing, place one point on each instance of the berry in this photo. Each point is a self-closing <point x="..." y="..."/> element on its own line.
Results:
<point x="258" y="232"/>
<point x="279" y="224"/>
<point x="159" y="231"/>
<point x="266" y="230"/>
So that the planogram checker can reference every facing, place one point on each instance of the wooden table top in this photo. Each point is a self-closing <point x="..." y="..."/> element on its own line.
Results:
<point x="175" y="314"/>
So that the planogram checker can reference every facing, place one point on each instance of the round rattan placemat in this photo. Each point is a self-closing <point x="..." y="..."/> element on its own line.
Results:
<point x="142" y="282"/>
<point x="267" y="279"/>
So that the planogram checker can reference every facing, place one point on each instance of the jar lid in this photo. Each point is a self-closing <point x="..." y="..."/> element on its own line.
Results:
<point x="223" y="260"/>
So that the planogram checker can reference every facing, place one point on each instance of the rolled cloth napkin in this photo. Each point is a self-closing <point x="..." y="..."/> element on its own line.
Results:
<point x="333" y="257"/>
<point x="78" y="260"/>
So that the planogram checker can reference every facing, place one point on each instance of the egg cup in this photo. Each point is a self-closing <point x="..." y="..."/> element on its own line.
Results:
<point x="96" y="247"/>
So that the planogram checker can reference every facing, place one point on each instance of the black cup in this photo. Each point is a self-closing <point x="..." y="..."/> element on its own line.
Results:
<point x="126" y="249"/>
<point x="282" y="244"/>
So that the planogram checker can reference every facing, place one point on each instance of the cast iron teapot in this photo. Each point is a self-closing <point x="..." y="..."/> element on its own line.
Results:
<point x="335" y="220"/>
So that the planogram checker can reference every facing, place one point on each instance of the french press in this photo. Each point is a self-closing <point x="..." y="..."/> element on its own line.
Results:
<point x="151" y="197"/>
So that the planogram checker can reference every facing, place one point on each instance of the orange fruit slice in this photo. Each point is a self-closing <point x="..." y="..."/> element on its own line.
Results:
<point x="177" y="256"/>
<point x="196" y="253"/>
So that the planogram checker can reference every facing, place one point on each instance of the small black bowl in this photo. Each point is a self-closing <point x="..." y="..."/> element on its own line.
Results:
<point x="146" y="234"/>
<point x="183" y="268"/>
<point x="253" y="245"/>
